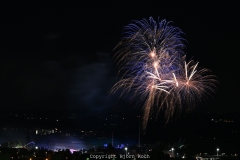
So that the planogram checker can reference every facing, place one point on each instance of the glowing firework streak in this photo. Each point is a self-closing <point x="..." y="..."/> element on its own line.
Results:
<point x="152" y="59"/>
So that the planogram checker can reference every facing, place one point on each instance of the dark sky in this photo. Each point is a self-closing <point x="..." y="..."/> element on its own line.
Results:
<point x="58" y="55"/>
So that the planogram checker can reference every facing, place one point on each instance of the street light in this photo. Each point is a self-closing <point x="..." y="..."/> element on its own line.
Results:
<point x="217" y="152"/>
<point x="172" y="152"/>
<point x="126" y="150"/>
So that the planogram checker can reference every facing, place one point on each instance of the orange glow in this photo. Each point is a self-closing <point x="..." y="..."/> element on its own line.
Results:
<point x="152" y="54"/>
<point x="155" y="64"/>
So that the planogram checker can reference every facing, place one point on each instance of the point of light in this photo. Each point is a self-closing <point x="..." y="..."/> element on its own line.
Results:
<point x="155" y="64"/>
<point x="152" y="54"/>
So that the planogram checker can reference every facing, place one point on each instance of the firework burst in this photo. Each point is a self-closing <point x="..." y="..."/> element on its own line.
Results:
<point x="152" y="60"/>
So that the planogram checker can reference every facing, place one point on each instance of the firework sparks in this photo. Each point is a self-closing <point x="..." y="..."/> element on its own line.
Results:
<point x="152" y="59"/>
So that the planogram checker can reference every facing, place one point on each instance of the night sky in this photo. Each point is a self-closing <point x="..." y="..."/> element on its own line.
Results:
<point x="59" y="55"/>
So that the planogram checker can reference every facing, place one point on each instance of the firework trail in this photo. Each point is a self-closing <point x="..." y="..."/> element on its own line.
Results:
<point x="152" y="60"/>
